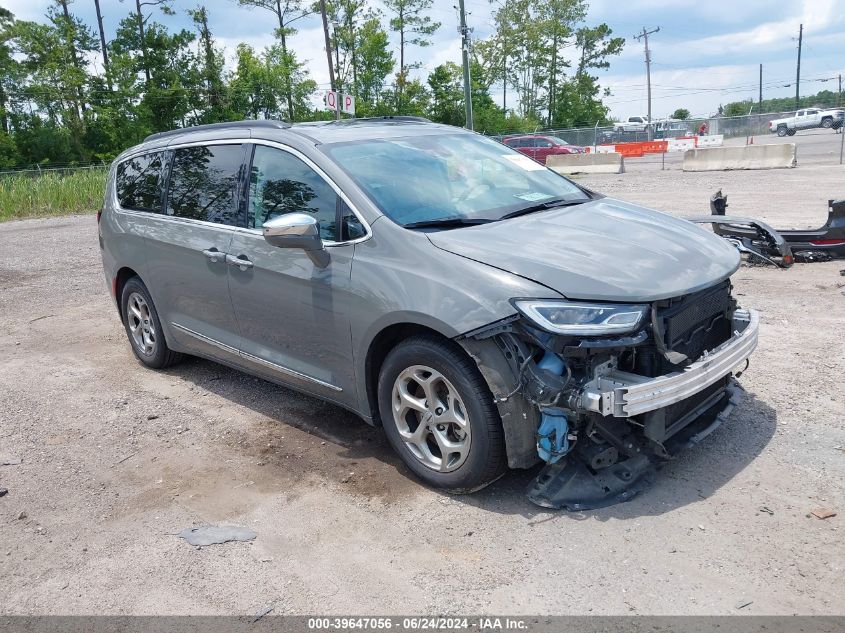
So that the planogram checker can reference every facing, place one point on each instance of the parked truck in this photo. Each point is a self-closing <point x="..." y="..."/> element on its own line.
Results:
<point x="806" y="119"/>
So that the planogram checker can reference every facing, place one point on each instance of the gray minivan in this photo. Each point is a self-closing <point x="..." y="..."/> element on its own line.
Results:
<point x="484" y="310"/>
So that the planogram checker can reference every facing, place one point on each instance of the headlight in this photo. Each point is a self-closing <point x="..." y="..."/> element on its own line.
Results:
<point x="586" y="319"/>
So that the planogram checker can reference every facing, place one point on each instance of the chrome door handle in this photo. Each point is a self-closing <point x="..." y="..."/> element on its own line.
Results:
<point x="214" y="255"/>
<point x="241" y="262"/>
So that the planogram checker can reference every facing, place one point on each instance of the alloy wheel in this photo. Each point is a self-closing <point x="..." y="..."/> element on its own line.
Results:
<point x="140" y="324"/>
<point x="431" y="418"/>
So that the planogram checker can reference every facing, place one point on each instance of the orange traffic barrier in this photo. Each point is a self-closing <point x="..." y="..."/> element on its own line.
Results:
<point x="630" y="150"/>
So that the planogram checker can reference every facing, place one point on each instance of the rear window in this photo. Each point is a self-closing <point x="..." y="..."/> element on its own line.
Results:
<point x="138" y="183"/>
<point x="204" y="183"/>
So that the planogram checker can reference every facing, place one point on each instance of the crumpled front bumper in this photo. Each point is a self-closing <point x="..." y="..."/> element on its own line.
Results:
<point x="622" y="394"/>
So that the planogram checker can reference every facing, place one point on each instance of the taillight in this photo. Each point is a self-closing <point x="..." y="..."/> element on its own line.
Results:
<point x="827" y="242"/>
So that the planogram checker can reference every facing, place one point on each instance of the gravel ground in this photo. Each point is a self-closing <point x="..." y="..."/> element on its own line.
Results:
<point x="117" y="459"/>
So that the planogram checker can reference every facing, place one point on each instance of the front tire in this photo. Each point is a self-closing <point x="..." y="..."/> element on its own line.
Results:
<point x="143" y="327"/>
<point x="438" y="414"/>
<point x="827" y="123"/>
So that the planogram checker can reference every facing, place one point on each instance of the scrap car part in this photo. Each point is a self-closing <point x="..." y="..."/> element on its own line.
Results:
<point x="753" y="237"/>
<point x="828" y="238"/>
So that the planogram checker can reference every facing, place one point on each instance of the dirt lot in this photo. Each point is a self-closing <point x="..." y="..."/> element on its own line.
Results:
<point x="116" y="459"/>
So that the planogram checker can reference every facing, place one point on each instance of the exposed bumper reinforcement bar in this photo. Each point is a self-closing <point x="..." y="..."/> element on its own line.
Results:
<point x="622" y="394"/>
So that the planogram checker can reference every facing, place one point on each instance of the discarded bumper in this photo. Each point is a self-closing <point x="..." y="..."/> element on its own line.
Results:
<point x="828" y="238"/>
<point x="622" y="394"/>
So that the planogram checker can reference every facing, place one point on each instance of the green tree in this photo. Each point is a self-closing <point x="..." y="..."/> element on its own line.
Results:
<point x="54" y="71"/>
<point x="10" y="70"/>
<point x="558" y="20"/>
<point x="681" y="113"/>
<point x="409" y="19"/>
<point x="260" y="85"/>
<point x="248" y="89"/>
<point x="140" y="24"/>
<point x="287" y="12"/>
<point x="579" y="100"/>
<point x="375" y="62"/>
<point x="210" y="99"/>
<point x="163" y="101"/>
<point x="447" y="94"/>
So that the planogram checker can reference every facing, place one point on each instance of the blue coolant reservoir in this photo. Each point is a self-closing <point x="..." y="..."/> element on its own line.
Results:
<point x="552" y="436"/>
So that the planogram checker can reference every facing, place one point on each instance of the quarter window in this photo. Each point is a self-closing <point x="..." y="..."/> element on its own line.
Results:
<point x="281" y="183"/>
<point x="138" y="183"/>
<point x="204" y="183"/>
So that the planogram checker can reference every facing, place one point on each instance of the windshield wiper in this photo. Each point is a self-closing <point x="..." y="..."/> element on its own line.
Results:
<point x="446" y="223"/>
<point x="542" y="206"/>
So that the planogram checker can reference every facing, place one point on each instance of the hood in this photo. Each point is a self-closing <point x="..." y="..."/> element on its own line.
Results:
<point x="605" y="250"/>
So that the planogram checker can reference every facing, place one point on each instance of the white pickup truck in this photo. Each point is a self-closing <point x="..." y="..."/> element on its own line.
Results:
<point x="805" y="119"/>
<point x="632" y="124"/>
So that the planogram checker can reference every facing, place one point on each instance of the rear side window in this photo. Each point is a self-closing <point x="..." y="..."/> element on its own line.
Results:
<point x="138" y="183"/>
<point x="204" y="183"/>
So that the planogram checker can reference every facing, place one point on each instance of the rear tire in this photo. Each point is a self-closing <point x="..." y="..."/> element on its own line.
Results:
<point x="143" y="327"/>
<point x="438" y="414"/>
<point x="781" y="131"/>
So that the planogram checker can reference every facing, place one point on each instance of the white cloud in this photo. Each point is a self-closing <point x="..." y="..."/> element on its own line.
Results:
<point x="27" y="9"/>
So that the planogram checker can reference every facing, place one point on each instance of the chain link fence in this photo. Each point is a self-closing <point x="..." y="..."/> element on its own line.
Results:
<point x="729" y="127"/>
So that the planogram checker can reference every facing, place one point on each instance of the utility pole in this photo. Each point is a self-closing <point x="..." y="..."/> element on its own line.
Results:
<point x="505" y="83"/>
<point x="839" y="98"/>
<point x="760" y="99"/>
<point x="798" y="68"/>
<point x="644" y="36"/>
<point x="329" y="57"/>
<point x="103" y="44"/>
<point x="465" y="46"/>
<point x="328" y="42"/>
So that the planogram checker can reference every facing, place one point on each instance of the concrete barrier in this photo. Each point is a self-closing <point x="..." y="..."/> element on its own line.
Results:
<point x="782" y="155"/>
<point x="680" y="144"/>
<point x="586" y="163"/>
<point x="711" y="140"/>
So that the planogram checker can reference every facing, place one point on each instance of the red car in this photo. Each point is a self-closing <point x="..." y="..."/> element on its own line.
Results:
<point x="539" y="147"/>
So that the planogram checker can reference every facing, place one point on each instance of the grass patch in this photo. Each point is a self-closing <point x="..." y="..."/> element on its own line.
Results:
<point x="51" y="193"/>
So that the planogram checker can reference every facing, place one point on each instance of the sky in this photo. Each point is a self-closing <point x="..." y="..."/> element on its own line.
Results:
<point x="705" y="53"/>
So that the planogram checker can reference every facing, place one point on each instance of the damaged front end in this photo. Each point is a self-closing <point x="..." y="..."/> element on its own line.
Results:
<point x="604" y="393"/>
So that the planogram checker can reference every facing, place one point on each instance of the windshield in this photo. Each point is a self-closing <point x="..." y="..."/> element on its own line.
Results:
<point x="449" y="176"/>
<point x="556" y="140"/>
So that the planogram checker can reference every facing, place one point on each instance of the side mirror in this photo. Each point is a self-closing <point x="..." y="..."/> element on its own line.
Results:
<point x="297" y="230"/>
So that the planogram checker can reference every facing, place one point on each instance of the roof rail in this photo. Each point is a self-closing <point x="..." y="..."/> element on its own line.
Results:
<point x="265" y="123"/>
<point x="380" y="119"/>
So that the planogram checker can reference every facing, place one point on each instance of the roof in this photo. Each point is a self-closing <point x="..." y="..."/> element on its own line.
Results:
<point x="317" y="131"/>
<point x="210" y="127"/>
<point x="344" y="130"/>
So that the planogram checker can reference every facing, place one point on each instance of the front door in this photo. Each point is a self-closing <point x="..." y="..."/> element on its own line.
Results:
<point x="543" y="150"/>
<point x="187" y="251"/>
<point x="293" y="314"/>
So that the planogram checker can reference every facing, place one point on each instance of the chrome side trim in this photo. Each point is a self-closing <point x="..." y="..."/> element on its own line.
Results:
<point x="205" y="339"/>
<point x="255" y="359"/>
<point x="289" y="372"/>
<point x="622" y="394"/>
